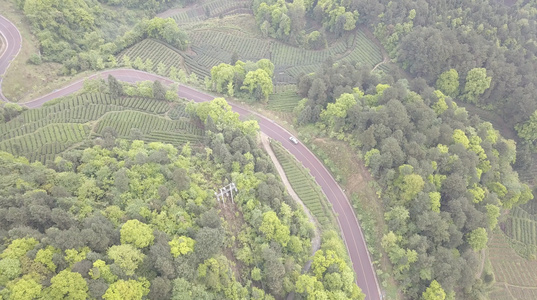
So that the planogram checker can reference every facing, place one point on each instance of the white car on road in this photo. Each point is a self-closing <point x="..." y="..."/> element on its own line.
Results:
<point x="294" y="140"/>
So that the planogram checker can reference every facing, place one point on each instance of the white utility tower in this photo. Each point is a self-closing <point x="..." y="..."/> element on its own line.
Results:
<point x="226" y="191"/>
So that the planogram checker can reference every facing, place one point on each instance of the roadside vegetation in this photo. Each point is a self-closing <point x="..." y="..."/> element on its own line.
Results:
<point x="443" y="177"/>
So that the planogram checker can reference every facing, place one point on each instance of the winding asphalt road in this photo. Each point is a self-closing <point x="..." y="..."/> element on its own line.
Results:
<point x="351" y="231"/>
<point x="12" y="38"/>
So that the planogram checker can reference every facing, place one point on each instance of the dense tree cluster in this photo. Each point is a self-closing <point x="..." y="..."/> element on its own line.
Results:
<point x="130" y="220"/>
<point x="485" y="50"/>
<point x="146" y="89"/>
<point x="330" y="276"/>
<point x="85" y="35"/>
<point x="255" y="78"/>
<point x="431" y="38"/>
<point x="286" y="21"/>
<point x="325" y="86"/>
<point x="281" y="19"/>
<point x="10" y="111"/>
<point x="444" y="176"/>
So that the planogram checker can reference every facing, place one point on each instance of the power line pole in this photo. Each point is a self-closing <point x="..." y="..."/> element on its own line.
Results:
<point x="226" y="191"/>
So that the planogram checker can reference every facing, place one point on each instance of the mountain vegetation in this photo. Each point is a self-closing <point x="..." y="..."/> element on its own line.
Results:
<point x="444" y="176"/>
<point x="130" y="220"/>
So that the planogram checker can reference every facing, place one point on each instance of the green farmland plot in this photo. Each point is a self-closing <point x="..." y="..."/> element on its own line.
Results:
<point x="530" y="207"/>
<point x="523" y="226"/>
<point x="177" y="112"/>
<point x="41" y="134"/>
<point x="157" y="52"/>
<point x="46" y="142"/>
<point x="283" y="54"/>
<point x="124" y="121"/>
<point x="81" y="109"/>
<point x="284" y="99"/>
<point x="364" y="51"/>
<point x="219" y="7"/>
<point x="214" y="43"/>
<point x="213" y="9"/>
<point x="515" y="276"/>
<point x="223" y="44"/>
<point x="211" y="47"/>
<point x="304" y="186"/>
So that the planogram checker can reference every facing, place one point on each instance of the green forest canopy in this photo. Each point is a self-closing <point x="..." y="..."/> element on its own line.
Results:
<point x="444" y="176"/>
<point x="130" y="220"/>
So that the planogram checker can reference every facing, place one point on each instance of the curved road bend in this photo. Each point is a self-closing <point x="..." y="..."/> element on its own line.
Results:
<point x="13" y="39"/>
<point x="351" y="231"/>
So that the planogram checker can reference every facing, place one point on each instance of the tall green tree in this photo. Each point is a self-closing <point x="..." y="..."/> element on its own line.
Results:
<point x="136" y="233"/>
<point x="127" y="290"/>
<point x="528" y="129"/>
<point x="10" y="268"/>
<point x="266" y="65"/>
<point x="477" y="239"/>
<point x="159" y="91"/>
<point x="258" y="80"/>
<point x="114" y="87"/>
<point x="26" y="288"/>
<point x="67" y="285"/>
<point x="477" y="82"/>
<point x="127" y="257"/>
<point x="448" y="83"/>
<point x="273" y="228"/>
<point x="339" y="109"/>
<point x="434" y="292"/>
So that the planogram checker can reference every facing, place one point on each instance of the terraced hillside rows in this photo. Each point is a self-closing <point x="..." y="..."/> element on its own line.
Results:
<point x="157" y="52"/>
<point x="211" y="9"/>
<point x="41" y="134"/>
<point x="44" y="143"/>
<point x="515" y="276"/>
<point x="124" y="121"/>
<point x="223" y="44"/>
<point x="522" y="226"/>
<point x="364" y="51"/>
<point x="304" y="186"/>
<point x="212" y="46"/>
<point x="285" y="98"/>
